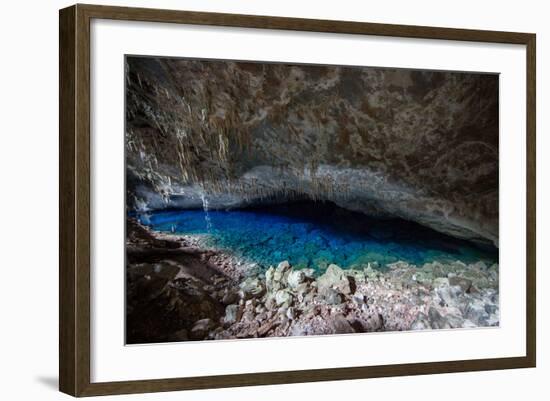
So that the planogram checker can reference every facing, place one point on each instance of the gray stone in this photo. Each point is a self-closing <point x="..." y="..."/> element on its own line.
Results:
<point x="302" y="289"/>
<point x="437" y="321"/>
<point x="335" y="277"/>
<point x="201" y="328"/>
<point x="441" y="282"/>
<point x="421" y="322"/>
<point x="291" y="313"/>
<point x="475" y="312"/>
<point x="229" y="297"/>
<point x="331" y="297"/>
<point x="269" y="273"/>
<point x="295" y="278"/>
<point x="448" y="295"/>
<point x="340" y="325"/>
<point x="283" y="266"/>
<point x="309" y="273"/>
<point x="374" y="322"/>
<point x="283" y="297"/>
<point x="359" y="299"/>
<point x="462" y="282"/>
<point x="455" y="321"/>
<point x="281" y="272"/>
<point x="490" y="308"/>
<point x="231" y="314"/>
<point x="252" y="288"/>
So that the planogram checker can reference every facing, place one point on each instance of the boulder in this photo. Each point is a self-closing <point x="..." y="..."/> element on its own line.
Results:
<point x="359" y="299"/>
<point x="491" y="308"/>
<point x="335" y="277"/>
<point x="331" y="296"/>
<point x="252" y="288"/>
<point x="421" y="322"/>
<point x="441" y="282"/>
<point x="437" y="321"/>
<point x="476" y="313"/>
<point x="340" y="325"/>
<point x="455" y="321"/>
<point x="448" y="295"/>
<point x="291" y="313"/>
<point x="281" y="272"/>
<point x="302" y="289"/>
<point x="283" y="297"/>
<point x="462" y="282"/>
<point x="201" y="328"/>
<point x="309" y="273"/>
<point x="233" y="314"/>
<point x="267" y="327"/>
<point x="229" y="297"/>
<point x="374" y="322"/>
<point x="295" y="278"/>
<point x="270" y="282"/>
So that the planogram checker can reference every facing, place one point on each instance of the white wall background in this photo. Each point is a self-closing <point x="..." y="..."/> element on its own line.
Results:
<point x="29" y="185"/>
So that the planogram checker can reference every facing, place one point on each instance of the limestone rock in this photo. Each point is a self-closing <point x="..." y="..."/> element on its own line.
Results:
<point x="335" y="277"/>
<point x="295" y="278"/>
<point x="201" y="328"/>
<point x="232" y="314"/>
<point x="283" y="297"/>
<point x="340" y="325"/>
<point x="331" y="296"/>
<point x="441" y="169"/>
<point x="252" y="288"/>
<point x="462" y="282"/>
<point x="437" y="321"/>
<point x="448" y="295"/>
<point x="421" y="322"/>
<point x="475" y="312"/>
<point x="291" y="313"/>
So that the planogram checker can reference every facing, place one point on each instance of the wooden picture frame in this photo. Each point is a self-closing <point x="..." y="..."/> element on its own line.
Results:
<point x="74" y="203"/>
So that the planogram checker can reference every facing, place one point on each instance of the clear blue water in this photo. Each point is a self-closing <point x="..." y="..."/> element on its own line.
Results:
<point x="315" y="235"/>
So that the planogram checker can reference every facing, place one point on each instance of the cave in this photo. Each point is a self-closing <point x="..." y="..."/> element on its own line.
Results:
<point x="273" y="199"/>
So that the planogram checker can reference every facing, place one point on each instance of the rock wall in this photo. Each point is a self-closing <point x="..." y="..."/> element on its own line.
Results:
<point x="420" y="145"/>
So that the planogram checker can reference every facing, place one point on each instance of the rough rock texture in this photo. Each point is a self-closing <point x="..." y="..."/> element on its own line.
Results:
<point x="178" y="291"/>
<point x="419" y="145"/>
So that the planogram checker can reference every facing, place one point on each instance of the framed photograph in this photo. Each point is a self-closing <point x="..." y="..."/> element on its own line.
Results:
<point x="250" y="200"/>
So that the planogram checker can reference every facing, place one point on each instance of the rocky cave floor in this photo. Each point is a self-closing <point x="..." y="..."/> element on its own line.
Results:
<point x="178" y="290"/>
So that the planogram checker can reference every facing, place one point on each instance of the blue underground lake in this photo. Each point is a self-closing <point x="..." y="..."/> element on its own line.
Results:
<point x="315" y="235"/>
